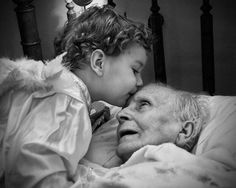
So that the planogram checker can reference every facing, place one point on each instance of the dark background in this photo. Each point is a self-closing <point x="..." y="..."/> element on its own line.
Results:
<point x="181" y="32"/>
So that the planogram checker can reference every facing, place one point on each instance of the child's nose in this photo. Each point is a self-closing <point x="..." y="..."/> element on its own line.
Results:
<point x="139" y="80"/>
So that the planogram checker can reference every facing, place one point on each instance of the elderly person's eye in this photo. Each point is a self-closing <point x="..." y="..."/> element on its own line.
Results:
<point x="143" y="104"/>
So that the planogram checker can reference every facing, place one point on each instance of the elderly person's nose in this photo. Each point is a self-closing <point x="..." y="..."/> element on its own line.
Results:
<point x="123" y="115"/>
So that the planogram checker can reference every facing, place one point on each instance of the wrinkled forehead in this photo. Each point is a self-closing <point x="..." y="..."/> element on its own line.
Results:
<point x="156" y="94"/>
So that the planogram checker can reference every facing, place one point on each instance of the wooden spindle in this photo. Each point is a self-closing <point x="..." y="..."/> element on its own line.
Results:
<point x="70" y="12"/>
<point x="30" y="41"/>
<point x="155" y="22"/>
<point x="207" y="48"/>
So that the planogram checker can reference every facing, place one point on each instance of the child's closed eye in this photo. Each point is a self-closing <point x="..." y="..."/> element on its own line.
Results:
<point x="135" y="71"/>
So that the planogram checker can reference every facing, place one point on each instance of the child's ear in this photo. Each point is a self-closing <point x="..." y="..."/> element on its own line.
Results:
<point x="185" y="133"/>
<point x="97" y="61"/>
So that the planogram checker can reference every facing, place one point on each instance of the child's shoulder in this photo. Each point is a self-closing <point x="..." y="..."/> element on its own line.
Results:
<point x="21" y="74"/>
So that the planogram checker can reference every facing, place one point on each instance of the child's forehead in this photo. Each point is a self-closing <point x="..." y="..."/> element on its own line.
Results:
<point x="137" y="52"/>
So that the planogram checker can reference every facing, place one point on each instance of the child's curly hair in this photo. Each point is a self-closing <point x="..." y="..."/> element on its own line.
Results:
<point x="99" y="28"/>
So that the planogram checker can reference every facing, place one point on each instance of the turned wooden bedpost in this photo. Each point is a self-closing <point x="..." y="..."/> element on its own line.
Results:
<point x="208" y="73"/>
<point x="70" y="13"/>
<point x="155" y="22"/>
<point x="30" y="41"/>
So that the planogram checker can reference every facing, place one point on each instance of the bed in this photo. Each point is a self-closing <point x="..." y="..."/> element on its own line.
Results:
<point x="180" y="170"/>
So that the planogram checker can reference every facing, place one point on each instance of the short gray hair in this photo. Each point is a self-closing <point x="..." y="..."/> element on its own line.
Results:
<point x="188" y="106"/>
<point x="194" y="108"/>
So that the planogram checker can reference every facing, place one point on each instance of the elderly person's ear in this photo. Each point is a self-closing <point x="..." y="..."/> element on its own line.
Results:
<point x="186" y="134"/>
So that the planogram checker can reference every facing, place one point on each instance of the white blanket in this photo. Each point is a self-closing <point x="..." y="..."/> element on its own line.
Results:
<point x="160" y="166"/>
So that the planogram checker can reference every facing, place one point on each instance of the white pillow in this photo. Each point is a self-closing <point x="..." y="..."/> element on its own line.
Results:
<point x="217" y="140"/>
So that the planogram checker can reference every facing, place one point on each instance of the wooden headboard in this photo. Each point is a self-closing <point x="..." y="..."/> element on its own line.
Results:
<point x="156" y="21"/>
<point x="31" y="43"/>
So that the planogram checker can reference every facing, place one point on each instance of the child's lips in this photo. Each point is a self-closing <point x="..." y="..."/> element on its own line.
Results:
<point x="129" y="97"/>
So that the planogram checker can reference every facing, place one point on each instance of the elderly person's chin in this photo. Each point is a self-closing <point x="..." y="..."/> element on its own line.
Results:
<point x="125" y="150"/>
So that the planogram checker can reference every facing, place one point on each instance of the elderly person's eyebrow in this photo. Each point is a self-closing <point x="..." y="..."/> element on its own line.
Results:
<point x="143" y="98"/>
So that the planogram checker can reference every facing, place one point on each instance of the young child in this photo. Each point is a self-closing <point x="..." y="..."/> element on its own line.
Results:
<point x="44" y="109"/>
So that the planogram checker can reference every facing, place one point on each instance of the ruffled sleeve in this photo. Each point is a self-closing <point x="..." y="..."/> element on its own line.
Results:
<point x="46" y="138"/>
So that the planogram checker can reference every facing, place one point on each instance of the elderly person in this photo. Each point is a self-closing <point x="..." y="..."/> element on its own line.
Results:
<point x="168" y="137"/>
<point x="159" y="114"/>
<point x="203" y="125"/>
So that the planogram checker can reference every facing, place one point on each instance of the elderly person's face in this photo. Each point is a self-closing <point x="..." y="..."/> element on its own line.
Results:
<point x="148" y="119"/>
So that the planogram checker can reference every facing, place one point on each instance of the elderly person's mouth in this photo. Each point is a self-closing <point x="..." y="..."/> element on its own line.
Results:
<point x="126" y="133"/>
